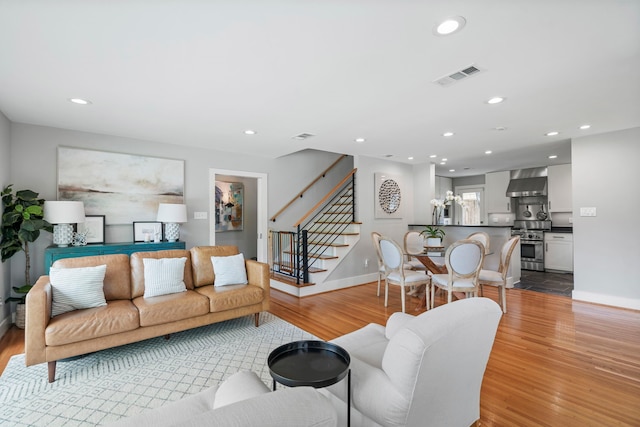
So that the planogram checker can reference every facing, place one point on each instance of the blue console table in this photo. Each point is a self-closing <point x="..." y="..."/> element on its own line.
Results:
<point x="53" y="253"/>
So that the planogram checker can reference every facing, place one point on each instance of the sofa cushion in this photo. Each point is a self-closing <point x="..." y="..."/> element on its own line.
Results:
<point x="76" y="288"/>
<point x="82" y="325"/>
<point x="117" y="279"/>
<point x="137" y="268"/>
<point x="201" y="261"/>
<point x="170" y="308"/>
<point x="163" y="276"/>
<point x="223" y="298"/>
<point x="239" y="386"/>
<point x="229" y="270"/>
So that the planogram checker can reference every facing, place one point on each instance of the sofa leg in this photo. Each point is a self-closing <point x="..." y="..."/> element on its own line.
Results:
<point x="166" y="337"/>
<point x="52" y="371"/>
<point x="257" y="319"/>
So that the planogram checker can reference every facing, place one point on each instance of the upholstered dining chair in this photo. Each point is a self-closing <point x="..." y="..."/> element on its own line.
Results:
<point x="414" y="245"/>
<point x="375" y="237"/>
<point x="393" y="261"/>
<point x="483" y="238"/>
<point x="499" y="278"/>
<point x="463" y="260"/>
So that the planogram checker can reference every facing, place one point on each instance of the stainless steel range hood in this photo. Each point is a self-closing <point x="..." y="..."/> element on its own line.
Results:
<point x="528" y="182"/>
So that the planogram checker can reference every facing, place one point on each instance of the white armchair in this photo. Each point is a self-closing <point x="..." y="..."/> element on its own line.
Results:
<point x="421" y="370"/>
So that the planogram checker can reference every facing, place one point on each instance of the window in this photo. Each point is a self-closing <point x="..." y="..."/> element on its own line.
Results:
<point x="473" y="211"/>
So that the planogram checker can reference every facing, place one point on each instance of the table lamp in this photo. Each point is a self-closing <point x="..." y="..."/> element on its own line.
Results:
<point x="62" y="214"/>
<point x="172" y="215"/>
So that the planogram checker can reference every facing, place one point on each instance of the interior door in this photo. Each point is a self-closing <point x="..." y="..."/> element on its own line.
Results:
<point x="473" y="211"/>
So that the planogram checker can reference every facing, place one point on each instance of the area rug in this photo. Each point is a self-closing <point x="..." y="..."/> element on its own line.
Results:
<point x="102" y="387"/>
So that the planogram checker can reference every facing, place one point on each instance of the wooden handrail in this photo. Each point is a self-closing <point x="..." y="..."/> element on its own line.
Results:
<point x="324" y="199"/>
<point x="297" y="196"/>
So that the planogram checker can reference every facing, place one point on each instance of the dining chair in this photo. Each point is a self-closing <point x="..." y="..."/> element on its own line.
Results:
<point x="463" y="260"/>
<point x="375" y="237"/>
<point x="393" y="261"/>
<point x="483" y="238"/>
<point x="499" y="278"/>
<point x="414" y="245"/>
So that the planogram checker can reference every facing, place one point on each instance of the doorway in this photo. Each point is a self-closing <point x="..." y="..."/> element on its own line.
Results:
<point x="259" y="183"/>
<point x="473" y="211"/>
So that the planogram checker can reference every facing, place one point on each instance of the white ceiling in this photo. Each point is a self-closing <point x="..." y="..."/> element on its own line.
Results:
<point x="199" y="73"/>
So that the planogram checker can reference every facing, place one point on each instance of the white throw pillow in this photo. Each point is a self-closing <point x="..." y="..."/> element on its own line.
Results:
<point x="76" y="288"/>
<point x="229" y="270"/>
<point x="163" y="276"/>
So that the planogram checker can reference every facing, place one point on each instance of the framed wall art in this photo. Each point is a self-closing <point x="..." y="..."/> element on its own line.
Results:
<point x="147" y="231"/>
<point x="123" y="187"/>
<point x="229" y="203"/>
<point x="388" y="196"/>
<point x="92" y="228"/>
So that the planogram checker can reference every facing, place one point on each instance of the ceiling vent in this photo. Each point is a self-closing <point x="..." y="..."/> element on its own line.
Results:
<point x="455" y="77"/>
<point x="303" y="136"/>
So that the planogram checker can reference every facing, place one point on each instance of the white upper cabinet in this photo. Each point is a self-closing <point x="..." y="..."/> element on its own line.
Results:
<point x="559" y="182"/>
<point x="495" y="186"/>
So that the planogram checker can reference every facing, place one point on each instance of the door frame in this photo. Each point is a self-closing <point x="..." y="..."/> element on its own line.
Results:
<point x="262" y="214"/>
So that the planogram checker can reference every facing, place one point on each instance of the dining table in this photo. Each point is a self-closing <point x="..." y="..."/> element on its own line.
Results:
<point x="434" y="268"/>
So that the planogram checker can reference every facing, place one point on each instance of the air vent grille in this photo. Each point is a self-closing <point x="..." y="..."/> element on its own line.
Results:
<point x="457" y="76"/>
<point x="303" y="136"/>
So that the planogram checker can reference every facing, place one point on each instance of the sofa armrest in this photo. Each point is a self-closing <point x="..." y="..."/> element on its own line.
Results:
<point x="37" y="318"/>
<point x="258" y="274"/>
<point x="396" y="322"/>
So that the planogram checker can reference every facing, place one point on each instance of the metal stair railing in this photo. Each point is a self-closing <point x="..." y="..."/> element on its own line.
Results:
<point x="295" y="254"/>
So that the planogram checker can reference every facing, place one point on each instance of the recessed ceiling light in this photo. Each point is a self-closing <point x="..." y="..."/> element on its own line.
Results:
<point x="452" y="170"/>
<point x="433" y="156"/>
<point x="447" y="134"/>
<point x="388" y="155"/>
<point x="552" y="133"/>
<point x="410" y="158"/>
<point x="360" y="140"/>
<point x="443" y="163"/>
<point x="496" y="100"/>
<point x="449" y="26"/>
<point x="583" y="127"/>
<point x="80" y="101"/>
<point x="500" y="128"/>
<point x="553" y="156"/>
<point x="488" y="152"/>
<point x="250" y="132"/>
<point x="444" y="160"/>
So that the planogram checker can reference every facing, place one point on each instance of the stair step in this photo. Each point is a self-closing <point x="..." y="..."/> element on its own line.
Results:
<point x="344" y="233"/>
<point x="338" y="222"/>
<point x="317" y="256"/>
<point x="333" y="245"/>
<point x="289" y="280"/>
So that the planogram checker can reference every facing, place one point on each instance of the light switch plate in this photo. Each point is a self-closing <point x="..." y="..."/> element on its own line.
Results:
<point x="199" y="215"/>
<point x="587" y="211"/>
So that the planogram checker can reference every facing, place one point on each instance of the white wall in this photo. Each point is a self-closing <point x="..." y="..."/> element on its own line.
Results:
<point x="5" y="179"/>
<point x="606" y="175"/>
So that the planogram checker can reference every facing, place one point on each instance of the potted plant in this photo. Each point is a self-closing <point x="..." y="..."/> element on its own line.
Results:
<point x="434" y="235"/>
<point x="22" y="221"/>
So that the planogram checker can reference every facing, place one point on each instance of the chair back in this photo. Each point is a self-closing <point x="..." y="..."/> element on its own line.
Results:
<point x="481" y="237"/>
<point x="505" y="255"/>
<point x="375" y="238"/>
<point x="448" y="346"/>
<point x="413" y="243"/>
<point x="464" y="259"/>
<point x="392" y="256"/>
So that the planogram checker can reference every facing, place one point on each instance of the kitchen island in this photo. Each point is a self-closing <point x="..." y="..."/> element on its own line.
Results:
<point x="497" y="235"/>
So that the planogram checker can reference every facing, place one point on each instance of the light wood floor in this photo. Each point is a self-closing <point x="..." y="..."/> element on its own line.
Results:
<point x="555" y="362"/>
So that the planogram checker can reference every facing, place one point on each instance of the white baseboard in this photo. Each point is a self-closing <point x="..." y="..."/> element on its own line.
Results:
<point x="632" y="303"/>
<point x="5" y="324"/>
<point x="331" y="285"/>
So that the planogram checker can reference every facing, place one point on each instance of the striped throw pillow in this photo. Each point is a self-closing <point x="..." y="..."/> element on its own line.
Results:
<point x="76" y="288"/>
<point x="163" y="276"/>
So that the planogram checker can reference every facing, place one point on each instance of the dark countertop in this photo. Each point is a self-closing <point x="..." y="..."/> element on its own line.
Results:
<point x="464" y="226"/>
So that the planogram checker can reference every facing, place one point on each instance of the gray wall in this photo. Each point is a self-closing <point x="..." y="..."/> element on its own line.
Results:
<point x="5" y="179"/>
<point x="606" y="175"/>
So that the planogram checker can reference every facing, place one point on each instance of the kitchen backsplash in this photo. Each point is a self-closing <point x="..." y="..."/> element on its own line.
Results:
<point x="501" y="219"/>
<point x="562" y="219"/>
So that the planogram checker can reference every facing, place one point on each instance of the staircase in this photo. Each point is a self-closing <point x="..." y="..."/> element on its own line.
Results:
<point x="307" y="257"/>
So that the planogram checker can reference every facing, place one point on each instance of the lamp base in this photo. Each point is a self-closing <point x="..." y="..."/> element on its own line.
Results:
<point x="172" y="231"/>
<point x="62" y="234"/>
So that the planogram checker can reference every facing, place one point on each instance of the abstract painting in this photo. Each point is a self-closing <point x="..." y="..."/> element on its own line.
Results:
<point x="388" y="196"/>
<point x="229" y="203"/>
<point x="123" y="187"/>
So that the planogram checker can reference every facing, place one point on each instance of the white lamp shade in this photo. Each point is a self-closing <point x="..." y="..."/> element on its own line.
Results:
<point x="172" y="213"/>
<point x="63" y="212"/>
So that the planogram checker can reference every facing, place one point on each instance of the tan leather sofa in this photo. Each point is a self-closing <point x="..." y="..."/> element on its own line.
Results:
<point x="128" y="316"/>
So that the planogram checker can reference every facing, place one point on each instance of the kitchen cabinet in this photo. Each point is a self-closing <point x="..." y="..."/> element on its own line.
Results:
<point x="558" y="251"/>
<point x="559" y="183"/>
<point x="495" y="187"/>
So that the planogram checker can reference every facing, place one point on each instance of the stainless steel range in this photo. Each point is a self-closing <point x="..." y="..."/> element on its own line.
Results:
<point x="531" y="243"/>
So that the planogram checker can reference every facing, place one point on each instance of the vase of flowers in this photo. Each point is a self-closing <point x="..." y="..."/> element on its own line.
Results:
<point x="439" y="206"/>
